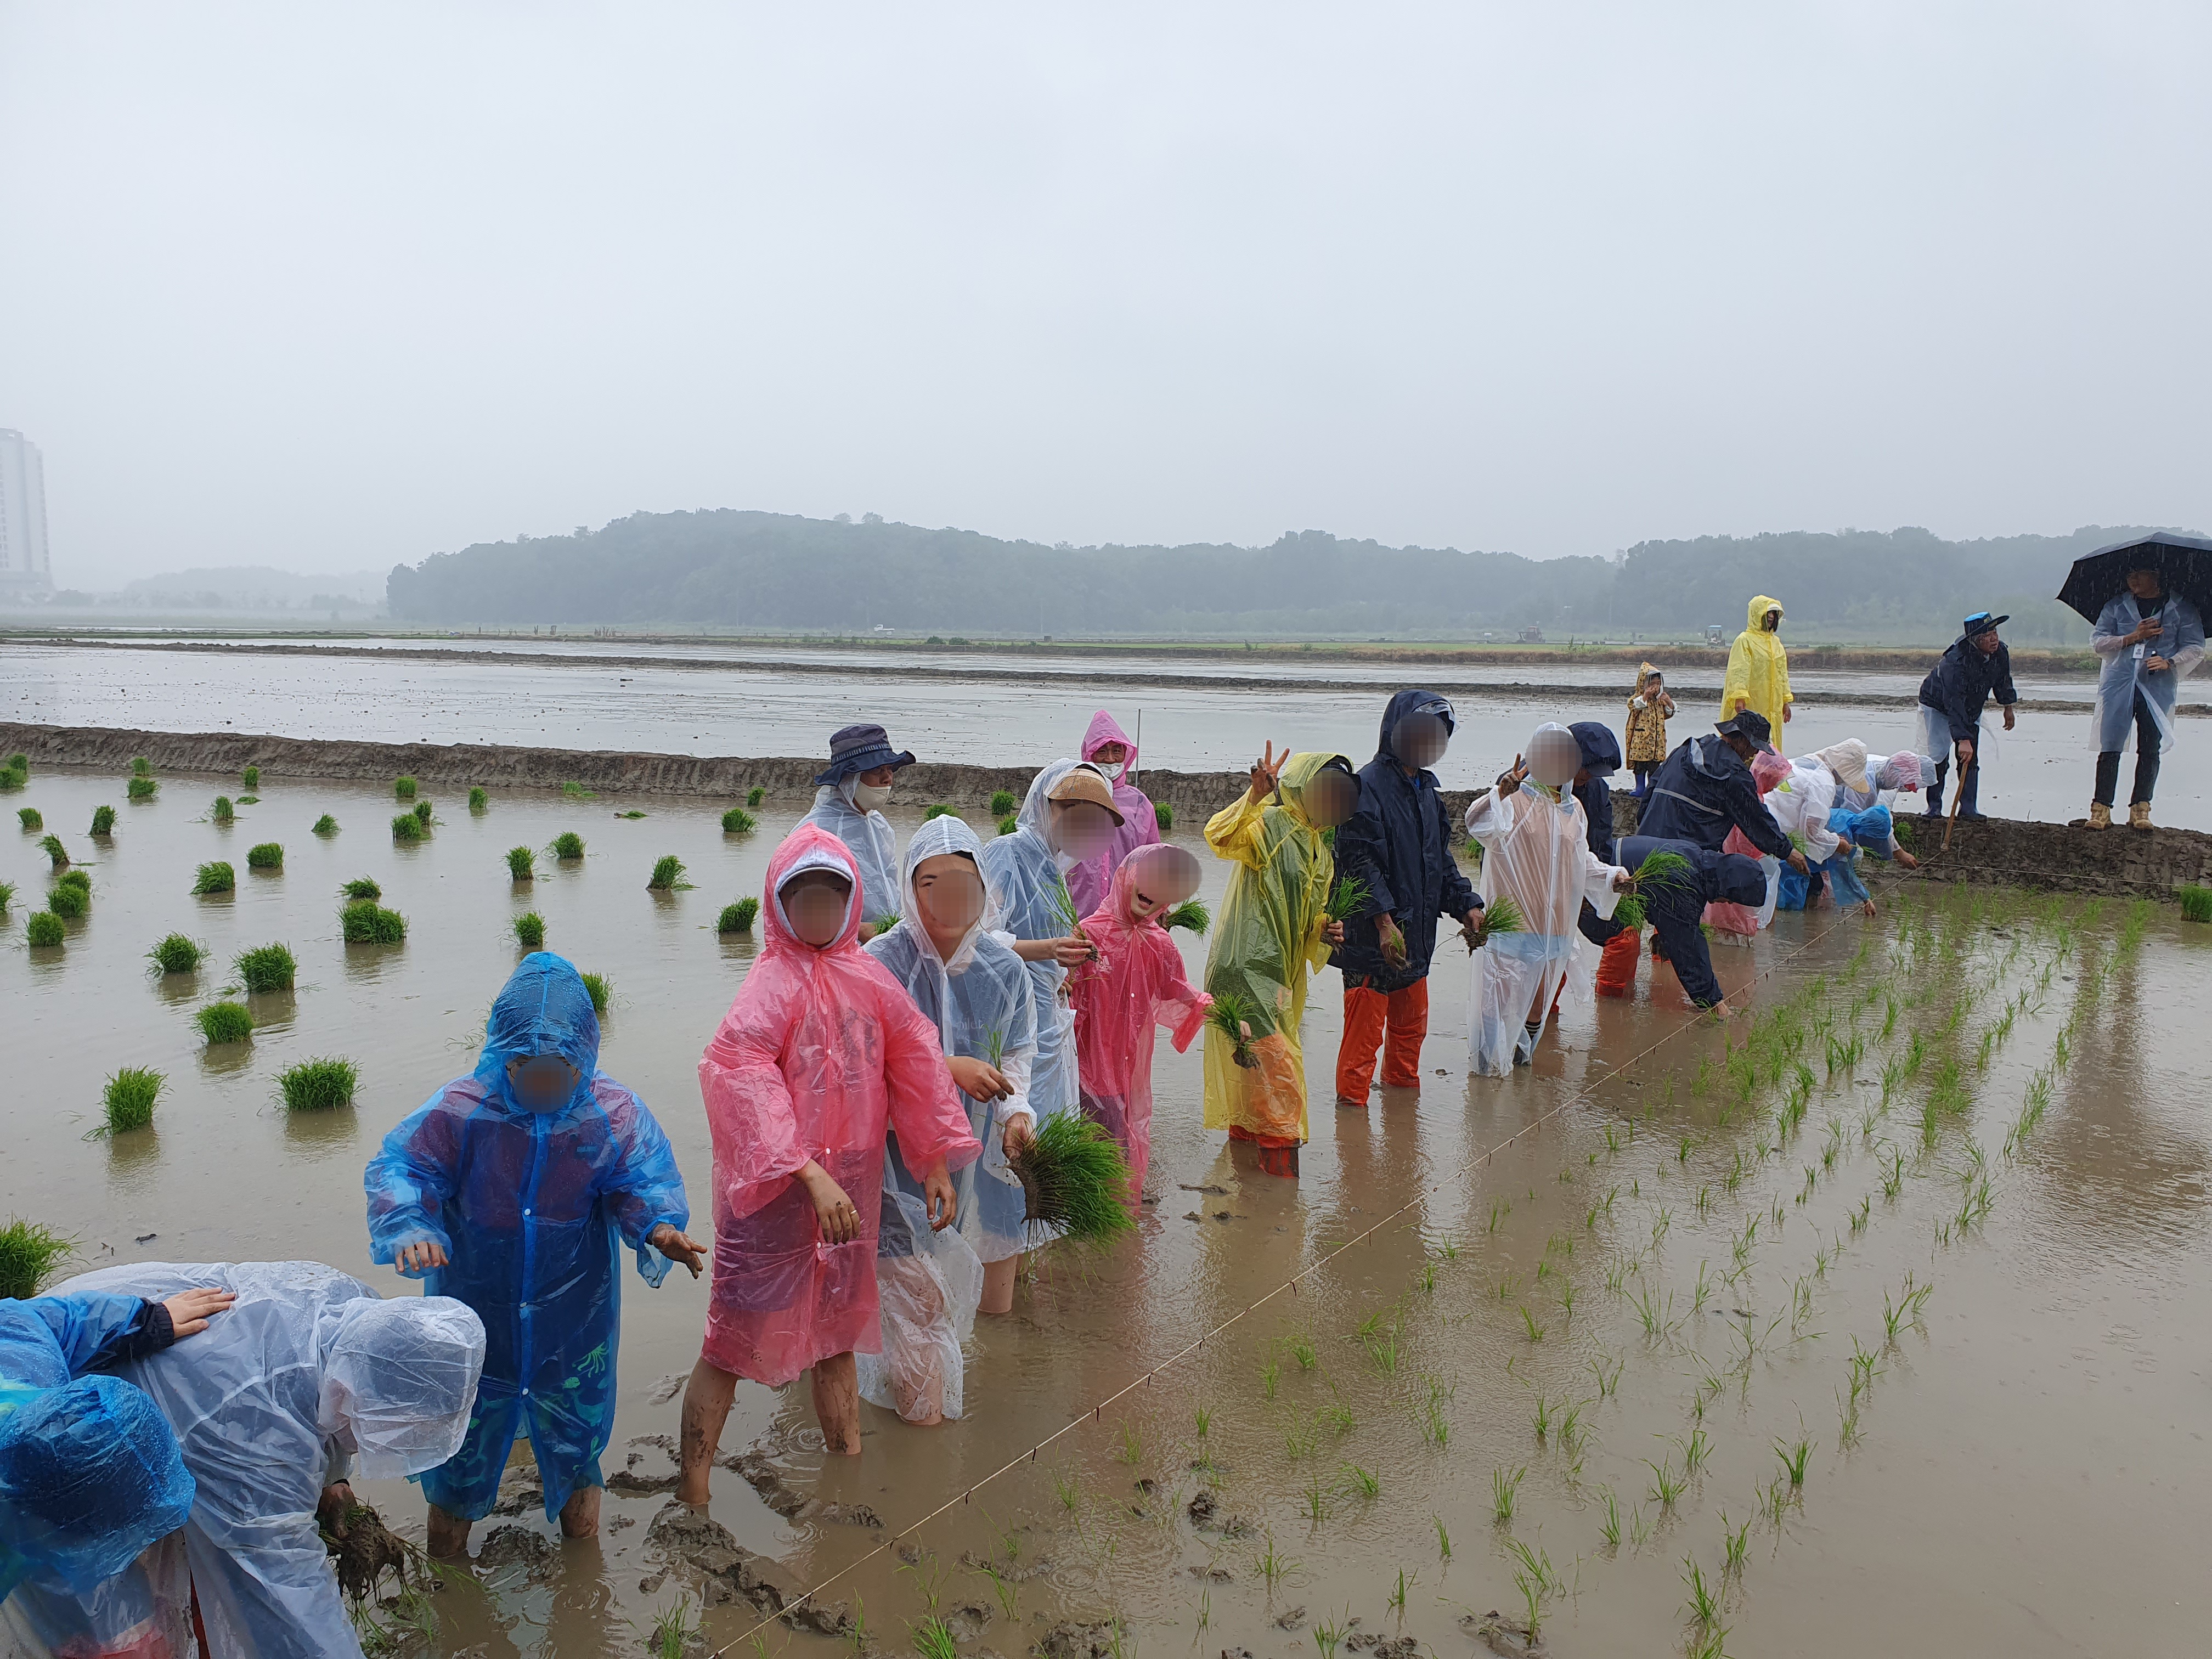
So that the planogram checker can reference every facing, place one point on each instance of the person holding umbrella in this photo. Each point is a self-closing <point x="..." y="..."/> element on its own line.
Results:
<point x="1952" y="699"/>
<point x="2150" y="639"/>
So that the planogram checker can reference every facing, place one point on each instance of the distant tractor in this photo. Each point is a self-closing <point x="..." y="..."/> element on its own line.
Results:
<point x="1716" y="634"/>
<point x="1532" y="636"/>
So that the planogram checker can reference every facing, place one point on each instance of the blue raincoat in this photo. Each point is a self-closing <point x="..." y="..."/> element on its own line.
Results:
<point x="1871" y="831"/>
<point x="1022" y="874"/>
<point x="528" y="1207"/>
<point x="49" y="1339"/>
<point x="1398" y="842"/>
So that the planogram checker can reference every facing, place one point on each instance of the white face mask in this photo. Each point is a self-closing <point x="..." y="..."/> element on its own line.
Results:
<point x="871" y="797"/>
<point x="1114" y="770"/>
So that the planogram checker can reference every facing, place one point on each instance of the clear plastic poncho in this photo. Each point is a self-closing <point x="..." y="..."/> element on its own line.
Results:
<point x="868" y="836"/>
<point x="1801" y="804"/>
<point x="2181" y="641"/>
<point x="1137" y="984"/>
<point x="308" y="1375"/>
<point x="821" y="1055"/>
<point x="1266" y="946"/>
<point x="1087" y="882"/>
<point x="1027" y="887"/>
<point x="1536" y="851"/>
<point x="530" y="1208"/>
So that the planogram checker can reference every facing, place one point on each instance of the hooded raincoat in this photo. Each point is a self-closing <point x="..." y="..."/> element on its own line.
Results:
<point x="1673" y="910"/>
<point x="1705" y="788"/>
<point x="309" y="1377"/>
<point x="1136" y="983"/>
<point x="1027" y="881"/>
<point x="1398" y="846"/>
<point x="869" y="838"/>
<point x="1647" y="720"/>
<point x="1266" y="942"/>
<point x="822" y="1052"/>
<point x="1535" y="850"/>
<point x="1758" y="668"/>
<point x="1087" y="882"/>
<point x="530" y="1208"/>
<point x="47" y="1341"/>
<point x="2180" y="641"/>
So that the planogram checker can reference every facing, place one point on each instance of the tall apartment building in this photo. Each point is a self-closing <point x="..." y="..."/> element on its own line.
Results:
<point x="24" y="566"/>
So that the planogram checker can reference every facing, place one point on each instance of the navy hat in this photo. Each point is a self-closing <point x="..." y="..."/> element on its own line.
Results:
<point x="1981" y="623"/>
<point x="862" y="748"/>
<point x="1749" y="724"/>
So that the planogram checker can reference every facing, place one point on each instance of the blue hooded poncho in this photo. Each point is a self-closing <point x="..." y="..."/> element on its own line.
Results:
<point x="528" y="1207"/>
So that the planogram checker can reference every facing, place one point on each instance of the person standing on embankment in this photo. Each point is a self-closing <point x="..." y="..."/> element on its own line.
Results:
<point x="1758" y="669"/>
<point x="1952" y="699"/>
<point x="2149" y="640"/>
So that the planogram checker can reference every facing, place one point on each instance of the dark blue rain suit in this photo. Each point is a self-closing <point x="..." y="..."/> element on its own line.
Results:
<point x="1675" y="910"/>
<point x="1600" y="759"/>
<point x="1957" y="690"/>
<point x="1703" y="791"/>
<point x="528" y="1207"/>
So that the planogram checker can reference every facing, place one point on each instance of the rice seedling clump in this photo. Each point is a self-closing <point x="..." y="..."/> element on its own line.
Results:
<point x="365" y="922"/>
<point x="317" y="1085"/>
<point x="403" y="788"/>
<point x="7" y="895"/>
<point x="30" y="817"/>
<point x="76" y="876"/>
<point x="43" y="927"/>
<point x="2196" y="901"/>
<point x="568" y="845"/>
<point x="68" y="901"/>
<point x="141" y="766"/>
<point x="1009" y="823"/>
<point x="225" y="1022"/>
<point x="267" y="967"/>
<point x="267" y="856"/>
<point x="326" y="825"/>
<point x="936" y="810"/>
<point x="363" y="887"/>
<point x="28" y="1253"/>
<point x="252" y="779"/>
<point x="755" y="795"/>
<point x="529" y="931"/>
<point x="215" y="877"/>
<point x="423" y="813"/>
<point x="667" y="875"/>
<point x="739" y="822"/>
<point x="221" y="811"/>
<point x="1163" y="813"/>
<point x="55" y="851"/>
<point x="103" y="820"/>
<point x="1075" y="1177"/>
<point x="407" y="827"/>
<point x="141" y="789"/>
<point x="13" y="777"/>
<point x="600" y="989"/>
<point x="1002" y="802"/>
<point x="1190" y="914"/>
<point x="739" y="918"/>
<point x="177" y="955"/>
<point x="127" y="1100"/>
<point x="478" y="801"/>
<point x="522" y="863"/>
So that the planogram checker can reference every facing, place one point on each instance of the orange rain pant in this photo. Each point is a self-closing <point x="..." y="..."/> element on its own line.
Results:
<point x="1616" y="969"/>
<point x="1367" y="1015"/>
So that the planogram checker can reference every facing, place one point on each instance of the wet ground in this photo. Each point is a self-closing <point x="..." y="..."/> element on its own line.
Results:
<point x="1577" y="1284"/>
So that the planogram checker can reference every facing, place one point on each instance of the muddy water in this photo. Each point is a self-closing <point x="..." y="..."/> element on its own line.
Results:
<point x="2030" y="1473"/>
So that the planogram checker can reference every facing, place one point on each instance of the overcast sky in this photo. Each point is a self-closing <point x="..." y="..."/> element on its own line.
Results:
<point x="334" y="287"/>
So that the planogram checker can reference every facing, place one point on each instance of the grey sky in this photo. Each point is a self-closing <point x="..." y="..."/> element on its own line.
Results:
<point x="332" y="288"/>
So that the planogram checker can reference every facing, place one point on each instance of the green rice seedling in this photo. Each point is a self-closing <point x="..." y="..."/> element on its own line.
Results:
<point x="1666" y="1485"/>
<point x="529" y="931"/>
<point x="1231" y="1015"/>
<point x="673" y="1631"/>
<point x="29" y="1252"/>
<point x="1609" y="1527"/>
<point x="56" y="853"/>
<point x="13" y="777"/>
<point x="250" y="777"/>
<point x="7" y="895"/>
<point x="1734" y="1542"/>
<point x="1608" y="1376"/>
<point x="1504" y="1490"/>
<point x="1271" y="1377"/>
<point x="1075" y="1178"/>
<point x="1346" y="899"/>
<point x="1655" y="1315"/>
<point x="1003" y="802"/>
<point x="1272" y="1565"/>
<point x="936" y="810"/>
<point x="2196" y="901"/>
<point x="141" y="789"/>
<point x="1501" y="915"/>
<point x="364" y="921"/>
<point x="1794" y="1457"/>
<point x="221" y="812"/>
<point x="68" y="901"/>
<point x="1705" y="1606"/>
<point x="127" y="1100"/>
<point x="317" y="1085"/>
<point x="739" y="822"/>
<point x="667" y="876"/>
<point x="406" y="829"/>
<point x="575" y="791"/>
<point x="1132" y="1448"/>
<point x="1302" y="1441"/>
<point x="1009" y="823"/>
<point x="567" y="846"/>
<point x="522" y="863"/>
<point x="42" y="929"/>
<point x="1301" y="1348"/>
<point x="141" y="766"/>
<point x="176" y="954"/>
<point x="1362" y="1483"/>
<point x="269" y="855"/>
<point x="1189" y="914"/>
<point x="1544" y="1408"/>
<point x="103" y="820"/>
<point x="267" y="967"/>
<point x="1164" y="812"/>
<point x="1701" y="1292"/>
<point x="225" y="1022"/>
<point x="601" y="990"/>
<point x="31" y="818"/>
<point x="326" y="826"/>
<point x="478" y="800"/>
<point x="1528" y="1322"/>
<point x="78" y="877"/>
<point x="422" y="814"/>
<point x="738" y="918"/>
<point x="1893" y="1174"/>
<point x="403" y="788"/>
<point x="1696" y="1451"/>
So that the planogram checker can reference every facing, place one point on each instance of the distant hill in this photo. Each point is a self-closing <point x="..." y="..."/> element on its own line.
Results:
<point x="730" y="568"/>
<point x="253" y="588"/>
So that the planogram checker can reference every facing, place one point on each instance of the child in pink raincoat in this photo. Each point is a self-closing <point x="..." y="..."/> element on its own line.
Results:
<point x="1136" y="982"/>
<point x="821" y="1052"/>
<point x="1106" y="747"/>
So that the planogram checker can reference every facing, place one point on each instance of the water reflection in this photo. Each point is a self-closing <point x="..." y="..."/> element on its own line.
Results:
<point x="321" y="1135"/>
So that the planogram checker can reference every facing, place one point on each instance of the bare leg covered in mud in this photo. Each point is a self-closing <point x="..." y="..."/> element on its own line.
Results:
<point x="706" y="1399"/>
<point x="998" y="1285"/>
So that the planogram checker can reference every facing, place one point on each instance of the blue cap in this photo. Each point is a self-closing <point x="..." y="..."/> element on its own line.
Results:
<point x="1981" y="623"/>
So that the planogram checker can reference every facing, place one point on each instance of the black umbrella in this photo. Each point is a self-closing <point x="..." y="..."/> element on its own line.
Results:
<point x="2184" y="564"/>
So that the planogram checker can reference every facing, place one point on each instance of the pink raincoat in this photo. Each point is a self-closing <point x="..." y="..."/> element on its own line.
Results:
<point x="820" y="1048"/>
<point x="1087" y="882"/>
<point x="1767" y="769"/>
<point x="1138" y="981"/>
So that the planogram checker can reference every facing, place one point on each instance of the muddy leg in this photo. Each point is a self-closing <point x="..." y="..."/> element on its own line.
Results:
<point x="705" y="1408"/>
<point x="449" y="1533"/>
<point x="580" y="1516"/>
<point x="998" y="1285"/>
<point x="837" y="1403"/>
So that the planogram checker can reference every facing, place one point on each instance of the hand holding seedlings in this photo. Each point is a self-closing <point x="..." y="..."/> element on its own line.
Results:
<point x="189" y="1311"/>
<point x="676" y="1247"/>
<point x="1019" y="1132"/>
<point x="978" y="1079"/>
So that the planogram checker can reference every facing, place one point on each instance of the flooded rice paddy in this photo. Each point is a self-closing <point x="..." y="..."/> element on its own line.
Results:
<point x="1880" y="1319"/>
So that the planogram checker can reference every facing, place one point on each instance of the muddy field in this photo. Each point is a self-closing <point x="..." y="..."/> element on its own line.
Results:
<point x="1932" y="1212"/>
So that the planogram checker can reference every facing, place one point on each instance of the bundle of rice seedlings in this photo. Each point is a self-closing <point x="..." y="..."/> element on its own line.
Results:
<point x="529" y="931"/>
<point x="1163" y="813"/>
<point x="1074" y="1177"/>
<point x="600" y="989"/>
<point x="632" y="813"/>
<point x="221" y="811"/>
<point x="878" y="927"/>
<point x="1189" y="914"/>
<point x="568" y="845"/>
<point x="1661" y="869"/>
<point x="1501" y="915"/>
<point x="423" y="813"/>
<point x="252" y="779"/>
<point x="317" y="1085"/>
<point x="141" y="788"/>
<point x="575" y="791"/>
<point x="1009" y="823"/>
<point x="55" y="851"/>
<point x="667" y="876"/>
<point x="326" y="825"/>
<point x="103" y="820"/>
<point x="1630" y="912"/>
<point x="225" y="1022"/>
<point x="2196" y="901"/>
<point x="1230" y="1013"/>
<point x="739" y="822"/>
<point x="177" y="955"/>
<point x="7" y="895"/>
<point x="1002" y="802"/>
<point x="936" y="810"/>
<point x="76" y="876"/>
<point x="13" y="777"/>
<point x="407" y="827"/>
<point x="31" y="818"/>
<point x="365" y="922"/>
<point x="478" y="801"/>
<point x="267" y="967"/>
<point x="522" y="863"/>
<point x="267" y="856"/>
<point x="141" y="766"/>
<point x="215" y="877"/>
<point x="68" y="901"/>
<point x="249" y="800"/>
<point x="363" y="887"/>
<point x="28" y="1253"/>
<point x="19" y="762"/>
<point x="403" y="788"/>
<point x="738" y="918"/>
<point x="1345" y="900"/>
<point x="43" y="927"/>
<point x="127" y="1100"/>
<point x="755" y="795"/>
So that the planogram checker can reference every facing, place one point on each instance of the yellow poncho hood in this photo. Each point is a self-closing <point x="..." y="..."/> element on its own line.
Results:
<point x="1757" y="669"/>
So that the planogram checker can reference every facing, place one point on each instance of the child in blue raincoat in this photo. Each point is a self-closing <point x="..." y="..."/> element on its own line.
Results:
<point x="508" y="1191"/>
<point x="1870" y="831"/>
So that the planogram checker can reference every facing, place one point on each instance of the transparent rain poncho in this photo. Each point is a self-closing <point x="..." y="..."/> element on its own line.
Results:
<point x="530" y="1208"/>
<point x="1136" y="984"/>
<point x="821" y="1055"/>
<point x="1266" y="946"/>
<point x="1536" y="851"/>
<point x="868" y="836"/>
<point x="307" y="1377"/>
<point x="1087" y="882"/>
<point x="1029" y="892"/>
<point x="2181" y="641"/>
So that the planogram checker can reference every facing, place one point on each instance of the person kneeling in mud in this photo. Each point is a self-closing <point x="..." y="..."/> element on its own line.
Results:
<point x="1675" y="906"/>
<point x="822" y="1052"/>
<point x="508" y="1192"/>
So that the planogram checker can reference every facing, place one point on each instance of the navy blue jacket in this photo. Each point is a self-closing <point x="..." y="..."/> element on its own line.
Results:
<point x="1600" y="754"/>
<point x="1400" y="843"/>
<point x="1703" y="791"/>
<point x="1675" y="910"/>
<point x="1961" y="682"/>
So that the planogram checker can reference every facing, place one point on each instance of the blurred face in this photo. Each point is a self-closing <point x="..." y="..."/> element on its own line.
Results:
<point x="1419" y="739"/>
<point x="1161" y="877"/>
<point x="2143" y="584"/>
<point x="1331" y="798"/>
<point x="1081" y="828"/>
<point x="949" y="889"/>
<point x="543" y="1082"/>
<point x="814" y="901"/>
<point x="1554" y="757"/>
<point x="1741" y="744"/>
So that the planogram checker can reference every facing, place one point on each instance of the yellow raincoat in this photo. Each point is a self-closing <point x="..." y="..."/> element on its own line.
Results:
<point x="1758" y="671"/>
<point x="1647" y="721"/>
<point x="1267" y="943"/>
